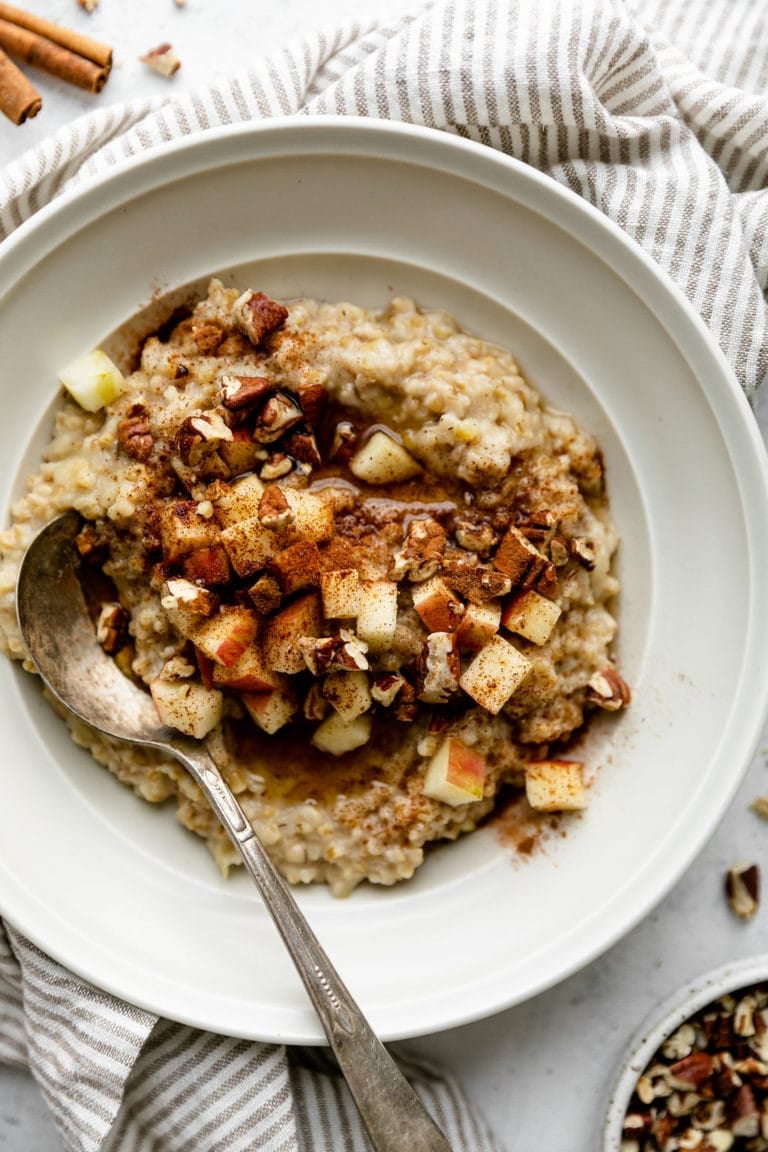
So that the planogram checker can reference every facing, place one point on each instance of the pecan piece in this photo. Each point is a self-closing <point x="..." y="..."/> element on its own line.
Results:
<point x="200" y="434"/>
<point x="134" y="435"/>
<point x="422" y="552"/>
<point x="276" y="465"/>
<point x="438" y="668"/>
<point x="112" y="627"/>
<point x="474" y="582"/>
<point x="313" y="399"/>
<point x="742" y="887"/>
<point x="340" y="653"/>
<point x="162" y="60"/>
<point x="302" y="446"/>
<point x="583" y="551"/>
<point x="608" y="690"/>
<point x="242" y="392"/>
<point x="274" y="510"/>
<point x="344" y="442"/>
<point x="280" y="413"/>
<point x="257" y="316"/>
<point x="473" y="537"/>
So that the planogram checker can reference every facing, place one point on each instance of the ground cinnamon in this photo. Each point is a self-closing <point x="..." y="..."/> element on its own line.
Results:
<point x="19" y="99"/>
<point x="74" y="41"/>
<point x="35" y="50"/>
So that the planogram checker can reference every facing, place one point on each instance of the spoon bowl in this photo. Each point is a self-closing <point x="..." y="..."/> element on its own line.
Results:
<point x="61" y="640"/>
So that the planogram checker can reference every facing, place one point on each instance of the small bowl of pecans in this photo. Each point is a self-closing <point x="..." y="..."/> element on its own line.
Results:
<point x="697" y="1073"/>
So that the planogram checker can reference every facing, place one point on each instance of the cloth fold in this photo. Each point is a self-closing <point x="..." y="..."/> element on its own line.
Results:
<point x="656" y="112"/>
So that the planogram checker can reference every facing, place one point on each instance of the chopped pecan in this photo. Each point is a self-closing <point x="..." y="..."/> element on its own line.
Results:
<point x="344" y="442"/>
<point x="134" y="435"/>
<point x="340" y="653"/>
<point x="583" y="551"/>
<point x="279" y="414"/>
<point x="89" y="543"/>
<point x="276" y="465"/>
<point x="539" y="527"/>
<point x="558" y="551"/>
<point x="112" y="627"/>
<point x="315" y="704"/>
<point x="183" y="593"/>
<point x="199" y="434"/>
<point x="274" y="510"/>
<point x="243" y="392"/>
<point x="693" y="1069"/>
<point x="608" y="690"/>
<point x="475" y="582"/>
<point x="313" y="399"/>
<point x="162" y="60"/>
<point x="422" y="552"/>
<point x="302" y="446"/>
<point x="406" y="706"/>
<point x="386" y="688"/>
<point x="473" y="537"/>
<point x="258" y="316"/>
<point x="742" y="887"/>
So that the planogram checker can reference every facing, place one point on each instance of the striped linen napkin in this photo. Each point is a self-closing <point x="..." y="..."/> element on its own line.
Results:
<point x="655" y="111"/>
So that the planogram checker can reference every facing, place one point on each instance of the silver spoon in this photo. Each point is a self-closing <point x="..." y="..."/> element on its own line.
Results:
<point x="62" y="643"/>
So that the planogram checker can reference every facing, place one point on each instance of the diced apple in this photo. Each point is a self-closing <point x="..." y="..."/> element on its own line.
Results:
<point x="184" y="530"/>
<point x="377" y="613"/>
<point x="383" y="460"/>
<point x="187" y="706"/>
<point x="92" y="380"/>
<point x="312" y="516"/>
<point x="555" y="785"/>
<point x="531" y="615"/>
<point x="225" y="636"/>
<point x="241" y="453"/>
<point x="340" y="591"/>
<point x="301" y="618"/>
<point x="495" y="674"/>
<point x="239" y="501"/>
<point x="250" y="673"/>
<point x="271" y="711"/>
<point x="437" y="606"/>
<point x="336" y="735"/>
<point x="348" y="693"/>
<point x="478" y="625"/>
<point x="455" y="774"/>
<point x="249" y="545"/>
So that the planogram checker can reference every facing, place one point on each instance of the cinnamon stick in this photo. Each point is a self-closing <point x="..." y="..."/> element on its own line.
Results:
<point x="19" y="99"/>
<point x="74" y="41"/>
<point x="33" y="49"/>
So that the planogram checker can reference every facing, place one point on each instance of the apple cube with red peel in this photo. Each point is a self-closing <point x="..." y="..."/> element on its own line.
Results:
<point x="301" y="618"/>
<point x="348" y="692"/>
<point x="555" y="785"/>
<point x="377" y="613"/>
<point x="437" y="606"/>
<point x="455" y="774"/>
<point x="478" y="625"/>
<point x="250" y="673"/>
<point x="239" y="501"/>
<point x="336" y="735"/>
<point x="184" y="530"/>
<point x="225" y="636"/>
<point x="383" y="460"/>
<point x="271" y="711"/>
<point x="531" y="615"/>
<point x="340" y="590"/>
<point x="312" y="516"/>
<point x="495" y="674"/>
<point x="187" y="706"/>
<point x="249" y="545"/>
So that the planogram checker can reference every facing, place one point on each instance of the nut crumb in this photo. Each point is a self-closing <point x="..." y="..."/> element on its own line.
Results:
<point x="162" y="60"/>
<point x="742" y="887"/>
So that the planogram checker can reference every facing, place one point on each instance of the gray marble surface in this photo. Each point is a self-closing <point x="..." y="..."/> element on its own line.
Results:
<point x="540" y="1071"/>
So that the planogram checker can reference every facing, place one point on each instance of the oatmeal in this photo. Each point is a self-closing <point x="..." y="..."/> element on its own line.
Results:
<point x="358" y="554"/>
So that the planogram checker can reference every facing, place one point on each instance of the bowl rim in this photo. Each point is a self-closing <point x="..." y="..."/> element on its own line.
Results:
<point x="685" y="1001"/>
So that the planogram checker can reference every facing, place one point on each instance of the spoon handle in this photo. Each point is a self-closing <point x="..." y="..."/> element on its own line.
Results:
<point x="391" y="1111"/>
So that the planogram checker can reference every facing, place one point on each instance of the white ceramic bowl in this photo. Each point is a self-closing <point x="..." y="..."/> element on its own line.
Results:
<point x="357" y="210"/>
<point x="666" y="1018"/>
